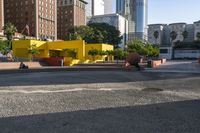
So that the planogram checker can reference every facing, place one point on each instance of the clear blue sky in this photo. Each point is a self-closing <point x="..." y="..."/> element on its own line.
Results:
<point x="171" y="11"/>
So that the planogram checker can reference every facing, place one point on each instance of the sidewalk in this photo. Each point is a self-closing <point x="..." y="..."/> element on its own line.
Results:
<point x="177" y="67"/>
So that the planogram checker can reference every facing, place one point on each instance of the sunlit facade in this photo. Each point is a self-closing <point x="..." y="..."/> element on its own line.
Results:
<point x="136" y="11"/>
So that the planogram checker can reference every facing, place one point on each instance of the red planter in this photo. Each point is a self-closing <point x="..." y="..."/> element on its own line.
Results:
<point x="53" y="61"/>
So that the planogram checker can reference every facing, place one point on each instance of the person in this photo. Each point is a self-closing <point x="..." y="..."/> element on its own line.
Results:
<point x="22" y="66"/>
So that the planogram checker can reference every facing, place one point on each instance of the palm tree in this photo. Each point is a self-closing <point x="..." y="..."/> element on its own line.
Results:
<point x="156" y="35"/>
<point x="185" y="34"/>
<point x="9" y="31"/>
<point x="33" y="51"/>
<point x="198" y="36"/>
<point x="173" y="36"/>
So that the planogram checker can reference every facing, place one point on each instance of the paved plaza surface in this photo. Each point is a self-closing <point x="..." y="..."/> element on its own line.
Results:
<point x="179" y="66"/>
<point x="100" y="102"/>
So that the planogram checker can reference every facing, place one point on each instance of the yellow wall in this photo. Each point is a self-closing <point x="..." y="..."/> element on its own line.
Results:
<point x="99" y="47"/>
<point x="79" y="45"/>
<point x="21" y="47"/>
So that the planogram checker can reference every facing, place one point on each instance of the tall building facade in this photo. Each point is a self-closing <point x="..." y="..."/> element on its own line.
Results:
<point x="97" y="7"/>
<point x="136" y="12"/>
<point x="156" y="33"/>
<point x="108" y="7"/>
<point x="185" y="35"/>
<point x="70" y="13"/>
<point x="1" y="16"/>
<point x="94" y="7"/>
<point x="38" y="17"/>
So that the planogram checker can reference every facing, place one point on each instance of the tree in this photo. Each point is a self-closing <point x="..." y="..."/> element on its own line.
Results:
<point x="148" y="50"/>
<point x="173" y="36"/>
<point x="4" y="48"/>
<point x="185" y="34"/>
<point x="110" y="34"/>
<point x="9" y="31"/>
<point x="95" y="33"/>
<point x="70" y="53"/>
<point x="156" y="35"/>
<point x="33" y="51"/>
<point x="198" y="36"/>
<point x="73" y="34"/>
<point x="90" y="35"/>
<point x="93" y="53"/>
<point x="135" y="46"/>
<point x="110" y="53"/>
<point x="119" y="54"/>
<point x="102" y="53"/>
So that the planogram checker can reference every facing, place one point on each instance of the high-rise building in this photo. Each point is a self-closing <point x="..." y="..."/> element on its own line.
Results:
<point x="136" y="11"/>
<point x="88" y="9"/>
<point x="108" y="7"/>
<point x="94" y="7"/>
<point x="1" y="16"/>
<point x="70" y="13"/>
<point x="37" y="18"/>
<point x="98" y="7"/>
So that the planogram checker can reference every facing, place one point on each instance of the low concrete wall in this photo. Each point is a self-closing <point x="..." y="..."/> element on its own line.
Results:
<point x="186" y="54"/>
<point x="15" y="65"/>
<point x="163" y="61"/>
<point x="155" y="63"/>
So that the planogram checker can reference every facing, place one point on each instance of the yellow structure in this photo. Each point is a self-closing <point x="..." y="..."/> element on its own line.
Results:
<point x="99" y="47"/>
<point x="22" y="48"/>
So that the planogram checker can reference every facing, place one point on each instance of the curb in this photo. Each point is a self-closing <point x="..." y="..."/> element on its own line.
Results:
<point x="73" y="69"/>
<point x="171" y="71"/>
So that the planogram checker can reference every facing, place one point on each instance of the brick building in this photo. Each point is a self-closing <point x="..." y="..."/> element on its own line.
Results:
<point x="70" y="13"/>
<point x="1" y="17"/>
<point x="38" y="18"/>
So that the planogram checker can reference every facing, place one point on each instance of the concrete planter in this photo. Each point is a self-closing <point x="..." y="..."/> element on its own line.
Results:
<point x="199" y="60"/>
<point x="155" y="63"/>
<point x="163" y="61"/>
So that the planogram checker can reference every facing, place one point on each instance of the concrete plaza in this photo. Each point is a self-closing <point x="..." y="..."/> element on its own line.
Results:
<point x="100" y="102"/>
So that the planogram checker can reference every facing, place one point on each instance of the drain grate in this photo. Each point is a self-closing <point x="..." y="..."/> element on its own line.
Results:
<point x="152" y="89"/>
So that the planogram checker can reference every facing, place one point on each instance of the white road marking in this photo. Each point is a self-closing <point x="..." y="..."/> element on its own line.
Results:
<point x="55" y="91"/>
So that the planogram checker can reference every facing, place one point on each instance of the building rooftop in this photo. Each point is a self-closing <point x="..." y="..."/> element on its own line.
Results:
<point x="197" y="21"/>
<point x="181" y="23"/>
<point x="157" y="24"/>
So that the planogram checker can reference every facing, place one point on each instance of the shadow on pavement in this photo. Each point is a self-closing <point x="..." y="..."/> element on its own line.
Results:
<point x="174" y="117"/>
<point x="63" y="78"/>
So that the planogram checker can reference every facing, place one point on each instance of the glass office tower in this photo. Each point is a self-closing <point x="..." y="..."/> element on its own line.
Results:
<point x="136" y="11"/>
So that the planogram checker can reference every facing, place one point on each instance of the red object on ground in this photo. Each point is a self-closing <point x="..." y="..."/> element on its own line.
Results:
<point x="53" y="61"/>
<point x="133" y="58"/>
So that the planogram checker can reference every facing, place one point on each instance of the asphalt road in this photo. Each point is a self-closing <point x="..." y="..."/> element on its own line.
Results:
<point x="100" y="102"/>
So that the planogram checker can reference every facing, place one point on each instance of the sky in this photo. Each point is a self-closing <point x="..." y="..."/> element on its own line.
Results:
<point x="173" y="11"/>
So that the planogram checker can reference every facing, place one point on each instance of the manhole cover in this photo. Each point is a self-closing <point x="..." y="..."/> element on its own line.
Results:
<point x="152" y="89"/>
